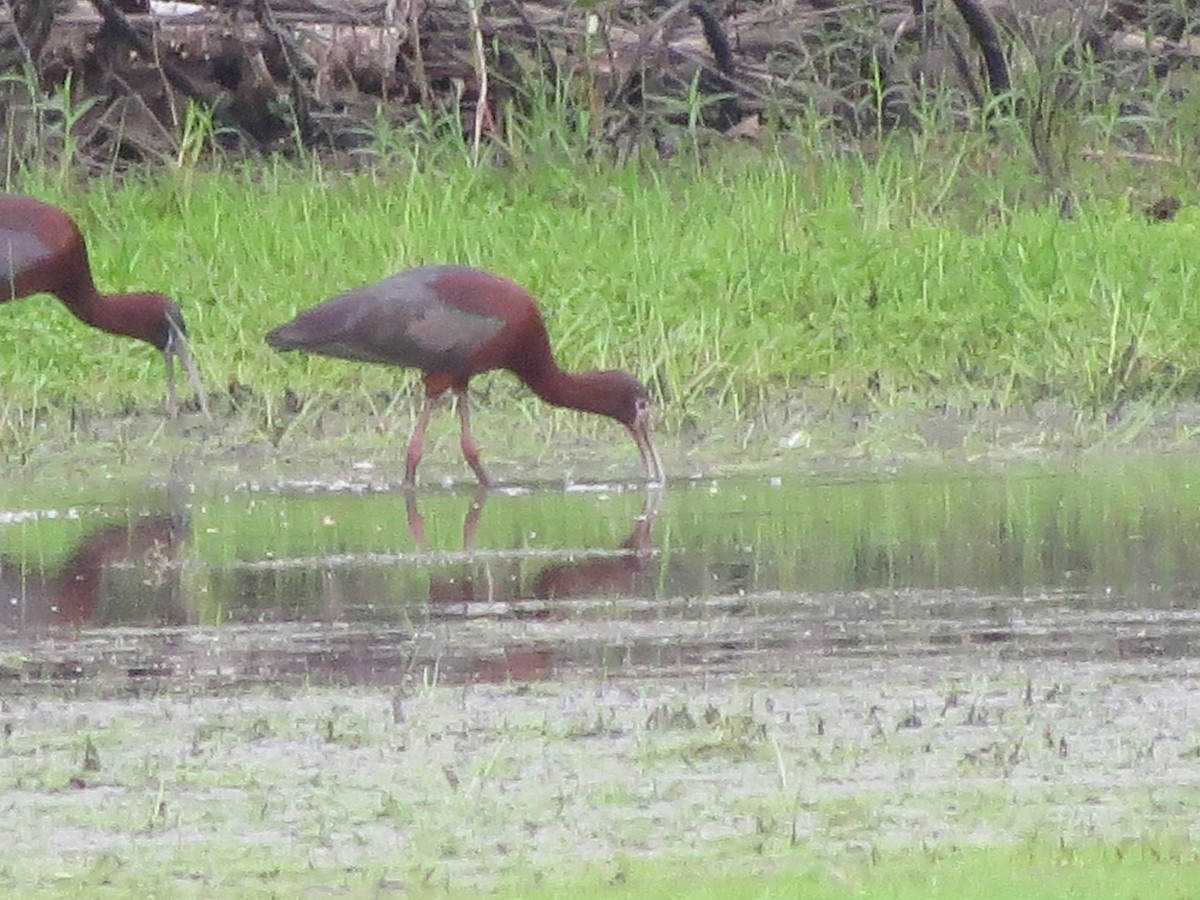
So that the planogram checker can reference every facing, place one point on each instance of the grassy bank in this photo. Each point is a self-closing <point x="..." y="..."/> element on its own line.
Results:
<point x="932" y="272"/>
<point x="1138" y="871"/>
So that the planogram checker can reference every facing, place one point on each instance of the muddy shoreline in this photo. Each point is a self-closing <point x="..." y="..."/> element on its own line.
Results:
<point x="763" y="742"/>
<point x="561" y="448"/>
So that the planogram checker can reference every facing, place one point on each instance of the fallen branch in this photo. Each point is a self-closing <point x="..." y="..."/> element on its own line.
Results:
<point x="174" y="75"/>
<point x="287" y="49"/>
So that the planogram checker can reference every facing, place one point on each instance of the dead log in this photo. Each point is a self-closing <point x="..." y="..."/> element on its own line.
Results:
<point x="983" y="29"/>
<point x="291" y="59"/>
<point x="22" y="39"/>
<point x="341" y="64"/>
<point x="227" y="116"/>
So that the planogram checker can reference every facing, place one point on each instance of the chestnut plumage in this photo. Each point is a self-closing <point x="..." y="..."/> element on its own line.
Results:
<point x="43" y="251"/>
<point x="454" y="322"/>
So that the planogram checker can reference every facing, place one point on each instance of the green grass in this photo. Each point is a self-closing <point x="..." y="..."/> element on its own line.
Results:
<point x="935" y="272"/>
<point x="1132" y="871"/>
<point x="1141" y="870"/>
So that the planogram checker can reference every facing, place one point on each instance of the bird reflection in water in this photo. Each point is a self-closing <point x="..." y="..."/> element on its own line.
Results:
<point x="416" y="521"/>
<point x="630" y="572"/>
<point x="623" y="575"/>
<point x="88" y="589"/>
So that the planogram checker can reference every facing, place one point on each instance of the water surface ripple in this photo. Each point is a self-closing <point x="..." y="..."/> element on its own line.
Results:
<point x="210" y="586"/>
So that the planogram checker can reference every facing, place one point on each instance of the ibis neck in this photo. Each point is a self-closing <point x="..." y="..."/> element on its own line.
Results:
<point x="91" y="307"/>
<point x="584" y="391"/>
<point x="126" y="315"/>
<point x="76" y="289"/>
<point x="78" y="294"/>
<point x="97" y="309"/>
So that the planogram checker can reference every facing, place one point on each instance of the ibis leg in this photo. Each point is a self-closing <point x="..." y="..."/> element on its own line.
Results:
<point x="470" y="449"/>
<point x="172" y="404"/>
<point x="416" y="442"/>
<point x="471" y="521"/>
<point x="416" y="521"/>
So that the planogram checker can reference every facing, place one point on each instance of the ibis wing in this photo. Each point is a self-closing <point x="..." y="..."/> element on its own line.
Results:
<point x="20" y="250"/>
<point x="390" y="323"/>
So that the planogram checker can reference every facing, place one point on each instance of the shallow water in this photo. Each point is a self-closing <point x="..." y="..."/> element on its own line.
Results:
<point x="119" y="585"/>
<point x="764" y="667"/>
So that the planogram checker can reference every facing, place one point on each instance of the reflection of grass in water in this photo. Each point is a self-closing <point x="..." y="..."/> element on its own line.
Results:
<point x="1101" y="528"/>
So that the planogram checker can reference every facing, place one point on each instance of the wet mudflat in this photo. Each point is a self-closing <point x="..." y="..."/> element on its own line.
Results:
<point x="328" y="683"/>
